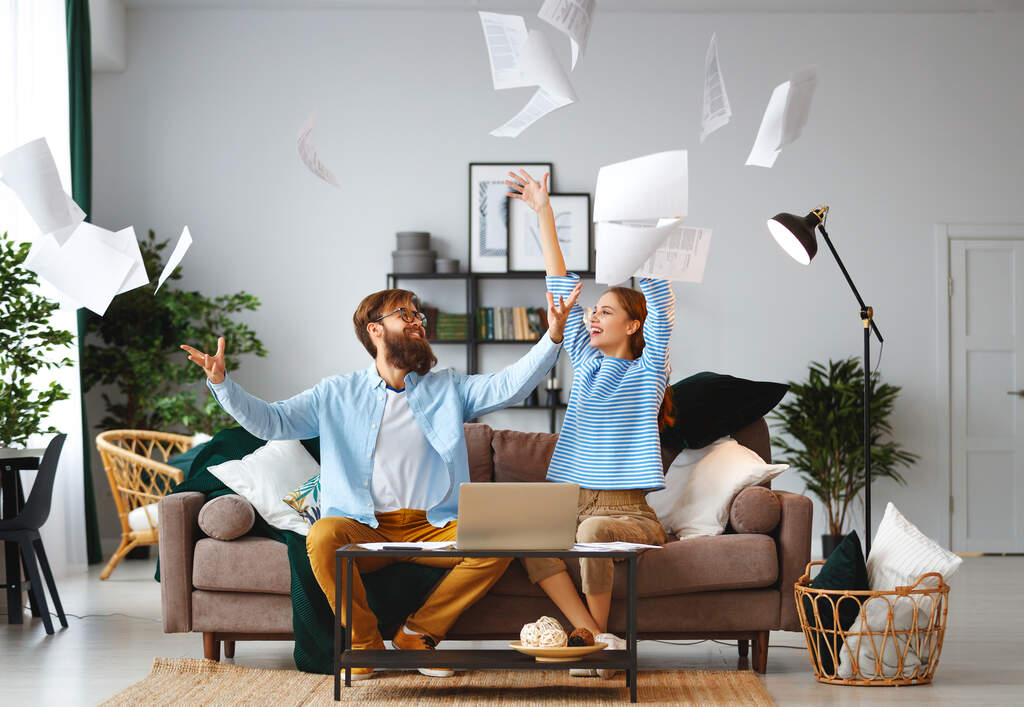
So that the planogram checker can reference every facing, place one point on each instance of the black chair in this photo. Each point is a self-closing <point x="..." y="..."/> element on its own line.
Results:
<point x="24" y="530"/>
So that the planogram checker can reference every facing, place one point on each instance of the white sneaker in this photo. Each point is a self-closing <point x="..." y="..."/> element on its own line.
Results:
<point x="614" y="643"/>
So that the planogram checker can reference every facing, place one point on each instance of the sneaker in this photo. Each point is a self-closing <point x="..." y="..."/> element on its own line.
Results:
<point x="405" y="641"/>
<point x="364" y="673"/>
<point x="614" y="643"/>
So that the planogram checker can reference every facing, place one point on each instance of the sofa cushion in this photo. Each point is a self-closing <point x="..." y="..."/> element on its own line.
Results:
<point x="522" y="456"/>
<point x="247" y="564"/>
<point x="478" y="444"/>
<point x="227" y="517"/>
<point x="700" y="564"/>
<point x="755" y="510"/>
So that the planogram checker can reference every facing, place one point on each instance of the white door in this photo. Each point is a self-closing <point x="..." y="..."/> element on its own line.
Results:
<point x="987" y="394"/>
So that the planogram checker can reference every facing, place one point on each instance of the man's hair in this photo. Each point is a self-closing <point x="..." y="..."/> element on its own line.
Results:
<point x="377" y="305"/>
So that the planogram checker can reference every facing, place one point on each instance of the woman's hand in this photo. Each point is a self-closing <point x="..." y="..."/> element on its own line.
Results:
<point x="526" y="189"/>
<point x="213" y="365"/>
<point x="559" y="313"/>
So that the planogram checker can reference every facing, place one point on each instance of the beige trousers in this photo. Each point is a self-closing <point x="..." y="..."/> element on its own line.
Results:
<point x="604" y="516"/>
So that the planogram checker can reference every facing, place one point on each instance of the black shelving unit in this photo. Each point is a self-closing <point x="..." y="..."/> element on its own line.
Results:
<point x="471" y="283"/>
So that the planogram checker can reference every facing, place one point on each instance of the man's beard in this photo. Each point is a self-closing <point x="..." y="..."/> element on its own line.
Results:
<point x="409" y="352"/>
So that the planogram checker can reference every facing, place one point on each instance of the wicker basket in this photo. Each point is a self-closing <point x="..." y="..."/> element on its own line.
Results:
<point x="895" y="641"/>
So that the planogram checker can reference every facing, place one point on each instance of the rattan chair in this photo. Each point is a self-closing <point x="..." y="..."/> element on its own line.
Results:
<point x="137" y="481"/>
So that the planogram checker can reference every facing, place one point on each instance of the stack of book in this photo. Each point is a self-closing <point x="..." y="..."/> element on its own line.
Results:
<point x="451" y="327"/>
<point x="510" y="323"/>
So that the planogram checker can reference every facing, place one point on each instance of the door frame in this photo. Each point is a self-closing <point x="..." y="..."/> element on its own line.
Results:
<point x="943" y="234"/>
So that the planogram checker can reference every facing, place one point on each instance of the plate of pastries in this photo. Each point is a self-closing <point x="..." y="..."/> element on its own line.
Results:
<point x="547" y="642"/>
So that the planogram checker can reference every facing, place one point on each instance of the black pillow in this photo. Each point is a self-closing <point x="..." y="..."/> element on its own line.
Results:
<point x="844" y="569"/>
<point x="711" y="405"/>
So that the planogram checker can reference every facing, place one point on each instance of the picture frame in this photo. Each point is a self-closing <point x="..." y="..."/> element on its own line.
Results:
<point x="488" y="211"/>
<point x="572" y="223"/>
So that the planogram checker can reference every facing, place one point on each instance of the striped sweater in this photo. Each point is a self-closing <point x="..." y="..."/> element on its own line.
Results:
<point x="609" y="438"/>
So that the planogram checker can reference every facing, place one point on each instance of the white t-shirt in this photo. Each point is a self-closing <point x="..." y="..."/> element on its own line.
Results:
<point x="404" y="463"/>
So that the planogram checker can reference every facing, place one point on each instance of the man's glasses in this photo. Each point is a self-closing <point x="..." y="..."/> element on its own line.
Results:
<point x="408" y="316"/>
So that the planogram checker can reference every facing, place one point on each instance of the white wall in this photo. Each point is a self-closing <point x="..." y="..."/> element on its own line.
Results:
<point x="915" y="122"/>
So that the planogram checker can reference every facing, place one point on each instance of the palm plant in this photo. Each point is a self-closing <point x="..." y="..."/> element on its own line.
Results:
<point x="823" y="440"/>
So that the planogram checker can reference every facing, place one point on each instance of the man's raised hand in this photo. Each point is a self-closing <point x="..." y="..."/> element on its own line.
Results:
<point x="559" y="313"/>
<point x="213" y="365"/>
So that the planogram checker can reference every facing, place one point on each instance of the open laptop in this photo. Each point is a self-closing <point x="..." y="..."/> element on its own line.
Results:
<point x="517" y="516"/>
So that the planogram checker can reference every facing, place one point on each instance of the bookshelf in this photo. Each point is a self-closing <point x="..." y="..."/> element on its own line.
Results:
<point x="471" y="282"/>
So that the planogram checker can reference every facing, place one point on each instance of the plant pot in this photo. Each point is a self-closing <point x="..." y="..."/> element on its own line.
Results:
<point x="830" y="543"/>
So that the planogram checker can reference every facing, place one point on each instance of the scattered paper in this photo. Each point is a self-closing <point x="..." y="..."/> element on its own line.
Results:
<point x="86" y="269"/>
<point x="681" y="257"/>
<point x="182" y="246"/>
<point x="540" y="105"/>
<point x="307" y="152"/>
<point x="516" y="62"/>
<point x="716" y="111"/>
<point x="126" y="243"/>
<point x="784" y="118"/>
<point x="571" y="17"/>
<point x="605" y="547"/>
<point x="505" y="36"/>
<point x="425" y="545"/>
<point x="31" y="172"/>
<point x="623" y="248"/>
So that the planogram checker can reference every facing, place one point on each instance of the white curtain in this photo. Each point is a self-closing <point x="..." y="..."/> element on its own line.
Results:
<point x="34" y="104"/>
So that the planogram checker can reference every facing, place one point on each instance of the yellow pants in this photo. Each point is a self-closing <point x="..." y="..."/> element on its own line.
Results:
<point x="469" y="579"/>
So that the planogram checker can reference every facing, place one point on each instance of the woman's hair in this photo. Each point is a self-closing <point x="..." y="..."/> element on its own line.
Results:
<point x="635" y="306"/>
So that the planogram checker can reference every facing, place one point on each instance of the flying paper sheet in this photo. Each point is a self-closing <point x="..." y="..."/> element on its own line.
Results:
<point x="785" y="117"/>
<point x="643" y="189"/>
<point x="32" y="173"/>
<point x="716" y="111"/>
<point x="540" y="105"/>
<point x="126" y="243"/>
<point x="308" y="153"/>
<point x="87" y="269"/>
<point x="681" y="257"/>
<point x="184" y="243"/>
<point x="623" y="248"/>
<point x="505" y="36"/>
<point x="571" y="17"/>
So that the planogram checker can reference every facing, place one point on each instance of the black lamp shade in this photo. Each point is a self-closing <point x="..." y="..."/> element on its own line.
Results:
<point x="796" y="235"/>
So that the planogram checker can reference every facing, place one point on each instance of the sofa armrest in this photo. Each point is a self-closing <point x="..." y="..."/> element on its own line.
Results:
<point x="178" y="522"/>
<point x="793" y="540"/>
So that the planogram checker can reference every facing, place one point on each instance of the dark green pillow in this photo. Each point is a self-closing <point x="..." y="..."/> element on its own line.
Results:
<point x="184" y="460"/>
<point x="711" y="405"/>
<point x="844" y="569"/>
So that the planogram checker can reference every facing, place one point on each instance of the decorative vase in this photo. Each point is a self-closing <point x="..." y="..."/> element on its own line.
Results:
<point x="829" y="543"/>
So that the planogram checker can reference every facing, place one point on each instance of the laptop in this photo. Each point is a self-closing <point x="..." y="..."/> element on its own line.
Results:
<point x="517" y="516"/>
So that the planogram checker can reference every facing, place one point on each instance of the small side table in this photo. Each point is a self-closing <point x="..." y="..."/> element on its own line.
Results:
<point x="13" y="500"/>
<point x="345" y="658"/>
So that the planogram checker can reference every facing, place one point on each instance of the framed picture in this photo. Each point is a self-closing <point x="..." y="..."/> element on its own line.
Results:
<point x="488" y="211"/>
<point x="572" y="223"/>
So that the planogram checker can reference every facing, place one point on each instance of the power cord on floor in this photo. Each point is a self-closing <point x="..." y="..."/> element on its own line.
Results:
<point x="722" y="643"/>
<point x="116" y="613"/>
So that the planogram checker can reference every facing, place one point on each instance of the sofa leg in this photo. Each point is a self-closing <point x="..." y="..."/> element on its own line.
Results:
<point x="211" y="646"/>
<point x="229" y="649"/>
<point x="743" y="646"/>
<point x="760" y="659"/>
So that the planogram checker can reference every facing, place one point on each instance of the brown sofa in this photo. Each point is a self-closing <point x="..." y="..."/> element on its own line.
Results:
<point x="731" y="586"/>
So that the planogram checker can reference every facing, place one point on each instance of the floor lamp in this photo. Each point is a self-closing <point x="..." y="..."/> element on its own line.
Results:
<point x="796" y="236"/>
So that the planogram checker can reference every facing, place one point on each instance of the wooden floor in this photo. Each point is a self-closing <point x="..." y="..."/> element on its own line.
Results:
<point x="100" y="655"/>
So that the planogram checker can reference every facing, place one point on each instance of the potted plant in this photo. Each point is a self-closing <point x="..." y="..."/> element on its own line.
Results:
<point x="823" y="427"/>
<point x="134" y="348"/>
<point x="28" y="346"/>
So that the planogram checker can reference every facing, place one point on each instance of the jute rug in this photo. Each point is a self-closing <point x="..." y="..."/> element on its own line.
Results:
<point x="186" y="681"/>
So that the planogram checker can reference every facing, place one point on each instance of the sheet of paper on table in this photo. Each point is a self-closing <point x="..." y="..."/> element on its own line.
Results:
<point x="30" y="171"/>
<point x="716" y="110"/>
<point x="604" y="547"/>
<point x="785" y="117"/>
<point x="573" y="18"/>
<point x="428" y="545"/>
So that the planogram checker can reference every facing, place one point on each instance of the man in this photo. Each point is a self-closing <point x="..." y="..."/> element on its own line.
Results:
<point x="393" y="453"/>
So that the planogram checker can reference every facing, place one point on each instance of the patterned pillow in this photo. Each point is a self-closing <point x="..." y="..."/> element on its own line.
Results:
<point x="305" y="500"/>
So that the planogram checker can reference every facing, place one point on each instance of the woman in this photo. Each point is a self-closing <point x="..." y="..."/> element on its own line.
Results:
<point x="609" y="443"/>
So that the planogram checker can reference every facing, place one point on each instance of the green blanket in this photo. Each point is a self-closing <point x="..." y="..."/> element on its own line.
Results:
<point x="392" y="593"/>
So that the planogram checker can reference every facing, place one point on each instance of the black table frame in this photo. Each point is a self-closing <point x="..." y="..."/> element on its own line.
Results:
<point x="345" y="658"/>
<point x="13" y="501"/>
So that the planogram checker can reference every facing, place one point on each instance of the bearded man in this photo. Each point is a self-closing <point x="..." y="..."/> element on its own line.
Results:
<point x="393" y="453"/>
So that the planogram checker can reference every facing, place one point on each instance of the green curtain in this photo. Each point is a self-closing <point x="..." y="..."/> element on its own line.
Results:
<point x="80" y="106"/>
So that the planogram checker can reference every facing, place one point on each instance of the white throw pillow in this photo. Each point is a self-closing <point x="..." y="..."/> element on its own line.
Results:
<point x="900" y="553"/>
<point x="266" y="476"/>
<point x="143" y="517"/>
<point x="697" y="497"/>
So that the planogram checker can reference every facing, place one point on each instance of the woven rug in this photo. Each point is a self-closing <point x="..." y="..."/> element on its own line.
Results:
<point x="204" y="682"/>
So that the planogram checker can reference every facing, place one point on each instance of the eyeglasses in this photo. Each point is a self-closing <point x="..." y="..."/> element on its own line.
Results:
<point x="408" y="316"/>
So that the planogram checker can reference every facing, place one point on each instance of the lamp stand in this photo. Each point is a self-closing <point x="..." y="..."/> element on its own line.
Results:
<point x="867" y="319"/>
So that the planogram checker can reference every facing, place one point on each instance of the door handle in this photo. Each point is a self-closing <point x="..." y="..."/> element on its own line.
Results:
<point x="1018" y="393"/>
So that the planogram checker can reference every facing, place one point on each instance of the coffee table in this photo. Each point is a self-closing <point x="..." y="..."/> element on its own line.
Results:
<point x="345" y="658"/>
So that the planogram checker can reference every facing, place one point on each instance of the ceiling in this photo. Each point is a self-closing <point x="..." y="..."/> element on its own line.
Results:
<point x="704" y="6"/>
